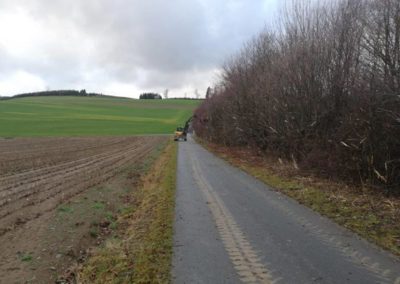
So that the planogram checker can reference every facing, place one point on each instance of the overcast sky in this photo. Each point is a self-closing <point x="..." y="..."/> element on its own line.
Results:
<point x="123" y="47"/>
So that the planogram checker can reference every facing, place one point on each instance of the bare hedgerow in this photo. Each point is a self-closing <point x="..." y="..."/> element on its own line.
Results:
<point x="322" y="89"/>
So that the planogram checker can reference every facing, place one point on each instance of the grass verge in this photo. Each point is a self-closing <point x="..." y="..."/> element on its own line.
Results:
<point x="141" y="250"/>
<point x="369" y="213"/>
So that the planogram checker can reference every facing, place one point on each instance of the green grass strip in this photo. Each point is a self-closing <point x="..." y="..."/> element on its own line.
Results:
<point x="142" y="250"/>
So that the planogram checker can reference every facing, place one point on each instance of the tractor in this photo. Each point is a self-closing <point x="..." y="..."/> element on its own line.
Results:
<point x="181" y="132"/>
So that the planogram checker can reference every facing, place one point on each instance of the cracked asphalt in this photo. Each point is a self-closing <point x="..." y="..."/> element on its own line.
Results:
<point x="231" y="228"/>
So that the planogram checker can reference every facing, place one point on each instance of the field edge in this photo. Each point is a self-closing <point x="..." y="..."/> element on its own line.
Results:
<point x="141" y="252"/>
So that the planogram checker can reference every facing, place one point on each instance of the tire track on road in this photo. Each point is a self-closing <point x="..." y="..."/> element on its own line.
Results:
<point x="379" y="270"/>
<point x="242" y="255"/>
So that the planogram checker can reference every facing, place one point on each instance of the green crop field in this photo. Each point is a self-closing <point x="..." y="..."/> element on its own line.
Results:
<point x="80" y="116"/>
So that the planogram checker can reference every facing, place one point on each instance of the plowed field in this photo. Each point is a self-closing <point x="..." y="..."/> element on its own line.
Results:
<point x="37" y="176"/>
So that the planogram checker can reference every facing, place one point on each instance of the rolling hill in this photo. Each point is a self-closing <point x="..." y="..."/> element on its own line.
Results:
<point x="93" y="116"/>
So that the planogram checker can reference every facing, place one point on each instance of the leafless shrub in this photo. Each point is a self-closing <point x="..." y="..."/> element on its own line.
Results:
<point x="324" y="90"/>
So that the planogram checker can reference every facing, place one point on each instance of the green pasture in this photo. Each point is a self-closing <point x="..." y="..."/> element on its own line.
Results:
<point x="82" y="116"/>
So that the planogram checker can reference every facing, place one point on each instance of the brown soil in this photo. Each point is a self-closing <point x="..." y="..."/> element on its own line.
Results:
<point x="58" y="197"/>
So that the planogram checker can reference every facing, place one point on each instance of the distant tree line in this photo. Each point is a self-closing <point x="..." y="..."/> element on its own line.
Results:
<point x="150" y="96"/>
<point x="323" y="89"/>
<point x="81" y="93"/>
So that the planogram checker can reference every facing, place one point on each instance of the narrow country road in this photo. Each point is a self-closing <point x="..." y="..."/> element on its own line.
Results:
<point x="231" y="228"/>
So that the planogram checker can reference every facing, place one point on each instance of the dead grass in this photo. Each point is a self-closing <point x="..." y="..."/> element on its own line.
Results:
<point x="141" y="251"/>
<point x="369" y="213"/>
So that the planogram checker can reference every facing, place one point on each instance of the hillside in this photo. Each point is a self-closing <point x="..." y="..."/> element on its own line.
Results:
<point x="81" y="116"/>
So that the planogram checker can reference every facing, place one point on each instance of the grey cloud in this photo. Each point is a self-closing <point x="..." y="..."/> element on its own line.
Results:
<point x="146" y="43"/>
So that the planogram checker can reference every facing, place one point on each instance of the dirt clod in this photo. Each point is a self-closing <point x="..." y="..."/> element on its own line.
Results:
<point x="47" y="190"/>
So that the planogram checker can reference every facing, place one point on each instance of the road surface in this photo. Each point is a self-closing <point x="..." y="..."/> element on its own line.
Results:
<point x="231" y="228"/>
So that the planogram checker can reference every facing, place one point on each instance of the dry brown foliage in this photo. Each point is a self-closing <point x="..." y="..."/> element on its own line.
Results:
<point x="321" y="89"/>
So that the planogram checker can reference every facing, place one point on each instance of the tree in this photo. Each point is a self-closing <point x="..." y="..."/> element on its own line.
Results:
<point x="150" y="96"/>
<point x="197" y="94"/>
<point x="322" y="89"/>
<point x="208" y="93"/>
<point x="166" y="94"/>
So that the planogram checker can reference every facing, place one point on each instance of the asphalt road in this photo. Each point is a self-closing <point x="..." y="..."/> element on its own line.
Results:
<point x="231" y="228"/>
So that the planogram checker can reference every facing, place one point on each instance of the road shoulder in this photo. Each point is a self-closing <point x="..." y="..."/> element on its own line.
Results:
<point x="371" y="215"/>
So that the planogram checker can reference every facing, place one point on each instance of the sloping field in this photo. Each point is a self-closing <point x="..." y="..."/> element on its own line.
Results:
<point x="45" y="181"/>
<point x="83" y="116"/>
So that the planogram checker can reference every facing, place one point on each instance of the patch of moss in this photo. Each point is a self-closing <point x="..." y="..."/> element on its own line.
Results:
<point x="65" y="209"/>
<point x="98" y="205"/>
<point x="26" y="257"/>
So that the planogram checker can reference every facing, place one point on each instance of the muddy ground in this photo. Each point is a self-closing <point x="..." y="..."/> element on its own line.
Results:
<point x="59" y="197"/>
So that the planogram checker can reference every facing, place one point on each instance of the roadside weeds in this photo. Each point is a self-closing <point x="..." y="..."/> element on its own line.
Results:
<point x="141" y="250"/>
<point x="366" y="212"/>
